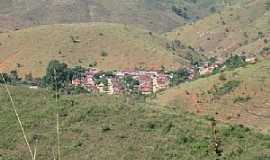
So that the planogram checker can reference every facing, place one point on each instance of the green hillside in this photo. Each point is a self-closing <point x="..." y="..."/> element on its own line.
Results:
<point x="240" y="96"/>
<point x="112" y="127"/>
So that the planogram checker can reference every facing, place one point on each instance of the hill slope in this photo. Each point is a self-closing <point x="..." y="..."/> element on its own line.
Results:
<point x="241" y="28"/>
<point x="111" y="46"/>
<point x="242" y="98"/>
<point x="153" y="15"/>
<point x="108" y="127"/>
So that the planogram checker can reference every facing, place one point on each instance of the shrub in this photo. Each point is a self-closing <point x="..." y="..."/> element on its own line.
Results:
<point x="241" y="99"/>
<point x="235" y="62"/>
<point x="183" y="139"/>
<point x="227" y="87"/>
<point x="104" y="54"/>
<point x="179" y="76"/>
<point x="4" y="77"/>
<point x="180" y="12"/>
<point x="238" y="131"/>
<point x="130" y="83"/>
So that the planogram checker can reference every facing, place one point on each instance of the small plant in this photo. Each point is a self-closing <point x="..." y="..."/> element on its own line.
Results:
<point x="241" y="99"/>
<point x="106" y="128"/>
<point x="104" y="54"/>
<point x="93" y="64"/>
<point x="75" y="39"/>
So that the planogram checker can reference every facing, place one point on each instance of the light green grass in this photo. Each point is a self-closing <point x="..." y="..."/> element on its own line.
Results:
<point x="112" y="127"/>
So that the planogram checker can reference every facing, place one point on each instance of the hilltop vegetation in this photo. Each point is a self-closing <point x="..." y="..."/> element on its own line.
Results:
<point x="239" y="96"/>
<point x="106" y="46"/>
<point x="111" y="127"/>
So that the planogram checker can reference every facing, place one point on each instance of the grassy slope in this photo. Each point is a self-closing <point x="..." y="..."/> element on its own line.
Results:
<point x="233" y="30"/>
<point x="126" y="47"/>
<point x="255" y="81"/>
<point x="108" y="127"/>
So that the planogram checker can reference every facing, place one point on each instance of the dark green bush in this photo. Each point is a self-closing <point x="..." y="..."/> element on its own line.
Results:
<point x="227" y="87"/>
<point x="235" y="61"/>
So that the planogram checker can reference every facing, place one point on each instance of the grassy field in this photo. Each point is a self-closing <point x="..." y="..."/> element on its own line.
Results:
<point x="110" y="46"/>
<point x="239" y="28"/>
<point x="112" y="127"/>
<point x="240" y="96"/>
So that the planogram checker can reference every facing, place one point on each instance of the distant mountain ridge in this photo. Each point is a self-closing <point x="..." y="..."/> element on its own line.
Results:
<point x="154" y="15"/>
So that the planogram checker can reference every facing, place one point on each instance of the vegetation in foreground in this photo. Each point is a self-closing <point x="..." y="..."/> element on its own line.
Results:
<point x="116" y="127"/>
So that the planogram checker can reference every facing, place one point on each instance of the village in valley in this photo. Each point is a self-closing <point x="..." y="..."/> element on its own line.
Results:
<point x="144" y="82"/>
<point x="147" y="82"/>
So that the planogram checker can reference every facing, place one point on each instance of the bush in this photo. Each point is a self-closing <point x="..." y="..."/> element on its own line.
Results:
<point x="241" y="99"/>
<point x="235" y="62"/>
<point x="238" y="131"/>
<point x="179" y="76"/>
<point x="130" y="83"/>
<point x="104" y="54"/>
<point x="4" y="77"/>
<point x="227" y="87"/>
<point x="180" y="12"/>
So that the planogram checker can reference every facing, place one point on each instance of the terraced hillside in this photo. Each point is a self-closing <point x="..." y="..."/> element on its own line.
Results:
<point x="110" y="127"/>
<point x="110" y="46"/>
<point x="241" y="28"/>
<point x="155" y="15"/>
<point x="241" y="96"/>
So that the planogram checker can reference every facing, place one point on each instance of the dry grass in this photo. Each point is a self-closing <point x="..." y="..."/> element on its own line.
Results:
<point x="233" y="30"/>
<point x="82" y="44"/>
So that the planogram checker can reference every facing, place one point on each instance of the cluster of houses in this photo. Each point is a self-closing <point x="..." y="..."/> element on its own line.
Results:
<point x="207" y="69"/>
<point x="147" y="81"/>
